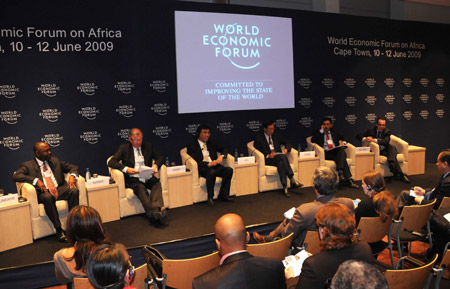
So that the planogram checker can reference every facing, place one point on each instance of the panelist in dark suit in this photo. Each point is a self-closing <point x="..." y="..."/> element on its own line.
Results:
<point x="46" y="174"/>
<point x="269" y="144"/>
<point x="334" y="145"/>
<point x="238" y="268"/>
<point x="382" y="136"/>
<point x="128" y="159"/>
<point x="209" y="157"/>
<point x="338" y="244"/>
<point x="427" y="196"/>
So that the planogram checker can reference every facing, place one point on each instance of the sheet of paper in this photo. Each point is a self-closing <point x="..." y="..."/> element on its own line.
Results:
<point x="145" y="172"/>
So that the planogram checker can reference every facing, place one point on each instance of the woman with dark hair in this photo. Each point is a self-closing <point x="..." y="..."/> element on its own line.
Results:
<point x="109" y="267"/>
<point x="85" y="232"/>
<point x="338" y="244"/>
<point x="381" y="203"/>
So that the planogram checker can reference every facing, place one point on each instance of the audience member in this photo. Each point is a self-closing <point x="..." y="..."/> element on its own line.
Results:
<point x="109" y="267"/>
<point x="209" y="156"/>
<point x="337" y="226"/>
<point x="46" y="174"/>
<point x="325" y="184"/>
<point x="129" y="158"/>
<point x="85" y="232"/>
<point x="354" y="274"/>
<point x="269" y="144"/>
<point x="334" y="145"/>
<point x="238" y="268"/>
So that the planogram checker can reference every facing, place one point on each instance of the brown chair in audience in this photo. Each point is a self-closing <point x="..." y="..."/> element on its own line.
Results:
<point x="414" y="278"/>
<point x="445" y="203"/>
<point x="140" y="273"/>
<point x="372" y="230"/>
<point x="443" y="271"/>
<point x="278" y="249"/>
<point x="312" y="242"/>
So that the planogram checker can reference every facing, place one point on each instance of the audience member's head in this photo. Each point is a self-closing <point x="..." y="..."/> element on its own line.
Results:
<point x="336" y="224"/>
<point x="231" y="234"/>
<point x="325" y="181"/>
<point x="385" y="205"/>
<point x="372" y="182"/>
<point x="85" y="232"/>
<point x="443" y="161"/>
<point x="109" y="267"/>
<point x="354" y="274"/>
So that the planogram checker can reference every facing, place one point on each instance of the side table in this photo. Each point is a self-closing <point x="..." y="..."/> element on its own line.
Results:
<point x="306" y="168"/>
<point x="15" y="226"/>
<point x="180" y="189"/>
<point x="416" y="160"/>
<point x="364" y="161"/>
<point x="246" y="177"/>
<point x="105" y="199"/>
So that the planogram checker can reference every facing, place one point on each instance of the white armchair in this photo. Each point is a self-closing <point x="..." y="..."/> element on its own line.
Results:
<point x="129" y="203"/>
<point x="320" y="152"/>
<point x="41" y="225"/>
<point x="381" y="163"/>
<point x="199" y="183"/>
<point x="268" y="178"/>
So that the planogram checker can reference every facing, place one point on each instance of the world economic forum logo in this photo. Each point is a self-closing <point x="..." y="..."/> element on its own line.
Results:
<point x="240" y="44"/>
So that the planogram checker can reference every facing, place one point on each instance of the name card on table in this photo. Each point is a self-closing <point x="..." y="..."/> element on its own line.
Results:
<point x="307" y="154"/>
<point x="9" y="199"/>
<point x="97" y="182"/>
<point x="246" y="160"/>
<point x="363" y="149"/>
<point x="176" y="169"/>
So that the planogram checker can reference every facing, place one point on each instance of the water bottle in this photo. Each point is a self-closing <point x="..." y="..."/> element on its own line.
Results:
<point x="236" y="155"/>
<point x="88" y="174"/>
<point x="167" y="162"/>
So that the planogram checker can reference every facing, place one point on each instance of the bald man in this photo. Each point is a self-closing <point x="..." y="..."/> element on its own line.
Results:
<point x="238" y="268"/>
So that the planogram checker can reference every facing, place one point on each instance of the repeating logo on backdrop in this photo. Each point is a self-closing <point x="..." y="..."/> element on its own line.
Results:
<point x="192" y="128"/>
<point x="424" y="81"/>
<point x="49" y="89"/>
<point x="424" y="113"/>
<point x="328" y="82"/>
<point x="440" y="113"/>
<point x="53" y="139"/>
<point x="371" y="117"/>
<point x="225" y="127"/>
<point x="350" y="82"/>
<point x="389" y="99"/>
<point x="407" y="81"/>
<point x="371" y="99"/>
<point x="305" y="102"/>
<point x="305" y="83"/>
<point x="89" y="112"/>
<point x="254" y="125"/>
<point x="50" y="114"/>
<point x="389" y="82"/>
<point x="424" y="97"/>
<point x="306" y="121"/>
<point x="160" y="108"/>
<point x="281" y="124"/>
<point x="11" y="142"/>
<point x="124" y="86"/>
<point x="90" y="137"/>
<point x="126" y="110"/>
<point x="87" y="88"/>
<point x="350" y="100"/>
<point x="124" y="133"/>
<point x="390" y="116"/>
<point x="440" y="97"/>
<point x="9" y="90"/>
<point x="242" y="45"/>
<point x="10" y="116"/>
<point x="440" y="82"/>
<point x="162" y="131"/>
<point x="351" y="118"/>
<point x="370" y="82"/>
<point x="328" y="101"/>
<point x="159" y="85"/>
<point x="407" y="98"/>
<point x="407" y="115"/>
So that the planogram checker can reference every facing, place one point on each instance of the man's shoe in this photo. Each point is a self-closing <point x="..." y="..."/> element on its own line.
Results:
<point x="351" y="184"/>
<point x="296" y="184"/>
<point x="61" y="236"/>
<point x="210" y="202"/>
<point x="404" y="179"/>
<point x="286" y="193"/>
<point x="226" y="198"/>
<point x="259" y="238"/>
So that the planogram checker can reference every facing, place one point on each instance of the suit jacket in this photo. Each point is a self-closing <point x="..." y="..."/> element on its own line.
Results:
<point x="262" y="145"/>
<point x="323" y="265"/>
<point x="124" y="157"/>
<point x="318" y="138"/>
<point x="382" y="141"/>
<point x="304" y="218"/>
<point x="243" y="270"/>
<point x="30" y="170"/>
<point x="440" y="191"/>
<point x="195" y="151"/>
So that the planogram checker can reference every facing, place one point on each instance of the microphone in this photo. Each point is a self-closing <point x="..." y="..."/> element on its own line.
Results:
<point x="21" y="198"/>
<point x="187" y="170"/>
